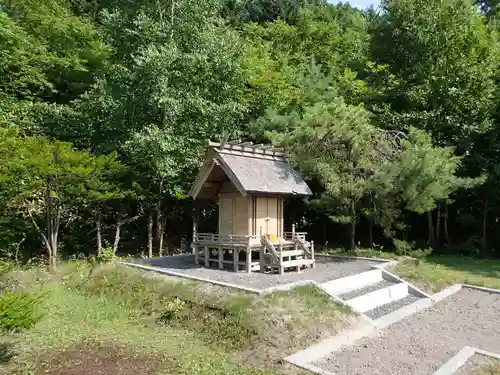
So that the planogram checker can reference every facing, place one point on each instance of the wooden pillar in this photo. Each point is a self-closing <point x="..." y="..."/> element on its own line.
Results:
<point x="221" y="258"/>
<point x="262" y="259"/>
<point x="195" y="230"/>
<point x="280" y="253"/>
<point x="236" y="259"/>
<point x="207" y="256"/>
<point x="312" y="254"/>
<point x="249" y="259"/>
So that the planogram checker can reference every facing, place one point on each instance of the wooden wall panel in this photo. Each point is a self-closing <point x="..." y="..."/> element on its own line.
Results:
<point x="240" y="218"/>
<point x="267" y="214"/>
<point x="225" y="215"/>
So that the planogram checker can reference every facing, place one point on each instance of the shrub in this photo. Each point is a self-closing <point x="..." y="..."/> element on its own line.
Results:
<point x="18" y="310"/>
<point x="172" y="310"/>
<point x="106" y="255"/>
<point x="403" y="247"/>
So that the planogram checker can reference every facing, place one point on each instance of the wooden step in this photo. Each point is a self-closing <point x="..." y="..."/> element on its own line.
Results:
<point x="294" y="263"/>
<point x="292" y="253"/>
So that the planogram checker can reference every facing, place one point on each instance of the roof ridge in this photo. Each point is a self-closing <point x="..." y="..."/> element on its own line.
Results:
<point x="247" y="147"/>
<point x="248" y="154"/>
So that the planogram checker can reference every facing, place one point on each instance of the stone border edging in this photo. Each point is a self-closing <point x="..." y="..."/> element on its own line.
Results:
<point x="331" y="345"/>
<point x="194" y="278"/>
<point x="287" y="287"/>
<point x="455" y="362"/>
<point x="304" y="358"/>
<point x="324" y="348"/>
<point x="455" y="288"/>
<point x="391" y="277"/>
<point x="403" y="312"/>
<point x="272" y="289"/>
<point x="461" y="358"/>
<point x="481" y="288"/>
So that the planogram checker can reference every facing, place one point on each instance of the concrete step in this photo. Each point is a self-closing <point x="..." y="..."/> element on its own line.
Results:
<point x="350" y="283"/>
<point x="365" y="290"/>
<point x="378" y="297"/>
<point x="388" y="308"/>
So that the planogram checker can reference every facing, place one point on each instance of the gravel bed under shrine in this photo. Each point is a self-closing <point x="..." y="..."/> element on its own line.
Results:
<point x="327" y="268"/>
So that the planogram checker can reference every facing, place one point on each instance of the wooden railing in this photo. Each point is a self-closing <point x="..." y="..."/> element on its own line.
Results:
<point x="290" y="236"/>
<point x="270" y="247"/>
<point x="223" y="238"/>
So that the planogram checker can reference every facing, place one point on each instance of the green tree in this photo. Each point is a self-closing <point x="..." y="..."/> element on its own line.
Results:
<point x="49" y="58"/>
<point x="41" y="180"/>
<point x="176" y="81"/>
<point x="444" y="59"/>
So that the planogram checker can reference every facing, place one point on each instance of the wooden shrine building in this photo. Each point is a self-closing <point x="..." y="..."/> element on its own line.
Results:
<point x="250" y="183"/>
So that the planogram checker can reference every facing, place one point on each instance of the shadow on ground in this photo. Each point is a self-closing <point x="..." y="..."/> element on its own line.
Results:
<point x="6" y="352"/>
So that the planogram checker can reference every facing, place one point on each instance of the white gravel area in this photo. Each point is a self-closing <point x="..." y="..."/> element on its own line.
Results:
<point x="327" y="268"/>
<point x="478" y="364"/>
<point x="423" y="342"/>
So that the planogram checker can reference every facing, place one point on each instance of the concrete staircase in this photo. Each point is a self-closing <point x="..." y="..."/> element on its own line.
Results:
<point x="378" y="295"/>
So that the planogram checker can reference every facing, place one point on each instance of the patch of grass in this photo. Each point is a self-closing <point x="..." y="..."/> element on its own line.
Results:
<point x="492" y="368"/>
<point x="376" y="253"/>
<point x="362" y="252"/>
<point x="433" y="273"/>
<point x="168" y="326"/>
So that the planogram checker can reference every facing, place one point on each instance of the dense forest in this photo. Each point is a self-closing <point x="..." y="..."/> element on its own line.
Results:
<point x="391" y="114"/>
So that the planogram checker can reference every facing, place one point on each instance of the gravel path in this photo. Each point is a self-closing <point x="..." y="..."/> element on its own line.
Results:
<point x="390" y="307"/>
<point x="368" y="289"/>
<point x="423" y="342"/>
<point x="477" y="365"/>
<point x="326" y="269"/>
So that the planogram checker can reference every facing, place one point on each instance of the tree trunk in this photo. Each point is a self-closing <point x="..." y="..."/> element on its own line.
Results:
<point x="353" y="227"/>
<point x="52" y="218"/>
<point x="117" y="236"/>
<point x="56" y="216"/>
<point x="484" y="242"/>
<point x="438" y="225"/>
<point x="160" y="225"/>
<point x="445" y="224"/>
<point x="353" y="235"/>
<point x="159" y="229"/>
<point x="431" y="240"/>
<point x="370" y="234"/>
<point x="98" y="226"/>
<point x="150" y="234"/>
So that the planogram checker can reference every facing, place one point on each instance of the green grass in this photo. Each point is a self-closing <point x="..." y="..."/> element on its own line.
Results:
<point x="433" y="273"/>
<point x="155" y="325"/>
<point x="377" y="253"/>
<point x="361" y="252"/>
<point x="492" y="368"/>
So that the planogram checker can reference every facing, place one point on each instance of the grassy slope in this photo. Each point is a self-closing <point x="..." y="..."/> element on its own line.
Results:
<point x="492" y="369"/>
<point x="433" y="273"/>
<point x="111" y="319"/>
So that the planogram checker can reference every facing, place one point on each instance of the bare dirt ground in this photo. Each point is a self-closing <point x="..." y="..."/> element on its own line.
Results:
<point x="96" y="359"/>
<point x="423" y="342"/>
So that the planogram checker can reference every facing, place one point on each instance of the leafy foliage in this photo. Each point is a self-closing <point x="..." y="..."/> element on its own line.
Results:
<point x="18" y="310"/>
<point x="105" y="107"/>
